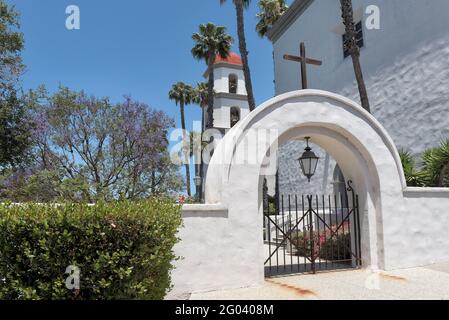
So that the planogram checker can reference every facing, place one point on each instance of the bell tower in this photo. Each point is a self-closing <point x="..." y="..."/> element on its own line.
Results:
<point x="230" y="100"/>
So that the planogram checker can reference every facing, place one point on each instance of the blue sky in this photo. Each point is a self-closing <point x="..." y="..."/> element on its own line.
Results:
<point x="135" y="47"/>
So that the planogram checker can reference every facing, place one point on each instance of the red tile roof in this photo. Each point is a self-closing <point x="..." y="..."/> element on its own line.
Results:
<point x="233" y="58"/>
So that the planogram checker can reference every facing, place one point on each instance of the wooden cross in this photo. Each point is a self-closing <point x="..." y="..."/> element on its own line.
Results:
<point x="304" y="62"/>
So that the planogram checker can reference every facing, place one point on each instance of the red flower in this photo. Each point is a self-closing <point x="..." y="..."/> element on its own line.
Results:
<point x="182" y="199"/>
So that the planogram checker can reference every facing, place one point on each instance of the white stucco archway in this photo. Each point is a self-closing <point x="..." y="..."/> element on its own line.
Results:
<point x="365" y="152"/>
<point x="222" y="241"/>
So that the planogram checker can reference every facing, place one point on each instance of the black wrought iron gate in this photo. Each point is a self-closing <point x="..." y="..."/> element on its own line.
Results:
<point x="312" y="233"/>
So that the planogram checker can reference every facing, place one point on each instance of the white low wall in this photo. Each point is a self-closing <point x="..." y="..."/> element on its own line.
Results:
<point x="214" y="252"/>
<point x="417" y="234"/>
<point x="213" y="257"/>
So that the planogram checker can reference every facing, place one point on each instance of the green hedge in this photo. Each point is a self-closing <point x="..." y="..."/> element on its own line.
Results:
<point x="123" y="250"/>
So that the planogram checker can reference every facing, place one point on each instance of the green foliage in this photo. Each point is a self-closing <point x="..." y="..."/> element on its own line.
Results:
<point x="272" y="205"/>
<point x="434" y="171"/>
<point x="11" y="45"/>
<point x="326" y="245"/>
<point x="414" y="177"/>
<point x="15" y="130"/>
<point x="337" y="248"/>
<point x="15" y="127"/>
<point x="124" y="250"/>
<point x="302" y="243"/>
<point x="42" y="186"/>
<point x="182" y="93"/>
<point x="201" y="92"/>
<point x="436" y="165"/>
<point x="211" y="40"/>
<point x="270" y="12"/>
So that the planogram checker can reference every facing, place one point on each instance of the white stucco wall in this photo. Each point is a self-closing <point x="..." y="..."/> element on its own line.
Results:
<point x="291" y="179"/>
<point x="405" y="65"/>
<point x="221" y="242"/>
<point x="222" y="111"/>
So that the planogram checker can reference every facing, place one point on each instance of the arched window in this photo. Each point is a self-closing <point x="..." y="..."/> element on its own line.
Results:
<point x="340" y="186"/>
<point x="235" y="116"/>
<point x="233" y="83"/>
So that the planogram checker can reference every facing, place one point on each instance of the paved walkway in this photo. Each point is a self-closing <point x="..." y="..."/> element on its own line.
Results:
<point x="430" y="282"/>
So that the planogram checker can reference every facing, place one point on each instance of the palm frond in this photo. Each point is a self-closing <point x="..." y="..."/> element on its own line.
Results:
<point x="182" y="92"/>
<point x="201" y="94"/>
<point x="270" y="12"/>
<point x="211" y="40"/>
<point x="414" y="177"/>
<point x="436" y="165"/>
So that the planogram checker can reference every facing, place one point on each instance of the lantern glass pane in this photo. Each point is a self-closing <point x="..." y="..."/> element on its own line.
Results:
<point x="307" y="166"/>
<point x="313" y="165"/>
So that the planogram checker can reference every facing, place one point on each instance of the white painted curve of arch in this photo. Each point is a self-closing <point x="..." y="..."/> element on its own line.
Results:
<point x="221" y="162"/>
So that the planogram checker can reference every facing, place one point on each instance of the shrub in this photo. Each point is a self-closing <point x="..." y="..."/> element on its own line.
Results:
<point x="325" y="245"/>
<point x="124" y="250"/>
<point x="337" y="248"/>
<point x="302" y="243"/>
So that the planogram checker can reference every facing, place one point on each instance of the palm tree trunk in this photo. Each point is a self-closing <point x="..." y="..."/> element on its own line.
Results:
<point x="351" y="43"/>
<point x="210" y="91"/>
<point x="201" y="167"/>
<point x="184" y="150"/>
<point x="244" y="54"/>
<point x="360" y="82"/>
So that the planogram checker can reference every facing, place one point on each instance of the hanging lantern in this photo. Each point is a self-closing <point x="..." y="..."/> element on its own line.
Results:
<point x="308" y="161"/>
<point x="197" y="181"/>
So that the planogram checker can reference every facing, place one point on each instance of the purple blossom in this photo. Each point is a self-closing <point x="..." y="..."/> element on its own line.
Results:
<point x="104" y="143"/>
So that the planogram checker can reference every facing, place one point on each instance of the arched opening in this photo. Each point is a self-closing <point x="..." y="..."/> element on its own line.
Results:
<point x="234" y="116"/>
<point x="233" y="83"/>
<point x="313" y="226"/>
<point x="339" y="184"/>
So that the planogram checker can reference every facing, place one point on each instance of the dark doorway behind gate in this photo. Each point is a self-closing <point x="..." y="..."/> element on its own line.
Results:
<point x="312" y="233"/>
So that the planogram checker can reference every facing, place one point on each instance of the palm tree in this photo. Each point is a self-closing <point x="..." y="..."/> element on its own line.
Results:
<point x="201" y="98"/>
<point x="196" y="150"/>
<point x="354" y="50"/>
<point x="271" y="11"/>
<point x="210" y="41"/>
<point x="183" y="94"/>
<point x="240" y="5"/>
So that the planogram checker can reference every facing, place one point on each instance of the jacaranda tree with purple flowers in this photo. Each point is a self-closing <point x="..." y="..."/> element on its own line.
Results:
<point x="90" y="149"/>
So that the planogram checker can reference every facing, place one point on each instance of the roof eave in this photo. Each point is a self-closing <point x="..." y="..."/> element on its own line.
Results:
<point x="295" y="11"/>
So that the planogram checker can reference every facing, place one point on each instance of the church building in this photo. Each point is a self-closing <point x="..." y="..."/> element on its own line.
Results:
<point x="405" y="64"/>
